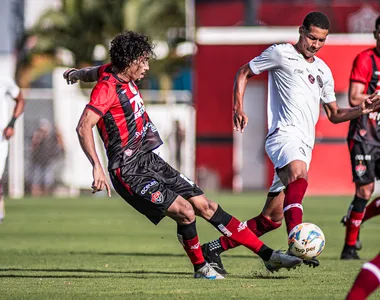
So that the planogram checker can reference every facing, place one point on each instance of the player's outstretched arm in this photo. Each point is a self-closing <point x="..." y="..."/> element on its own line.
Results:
<point x="240" y="84"/>
<point x="88" y="74"/>
<point x="339" y="115"/>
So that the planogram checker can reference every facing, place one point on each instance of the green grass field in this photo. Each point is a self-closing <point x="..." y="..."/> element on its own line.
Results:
<point x="100" y="248"/>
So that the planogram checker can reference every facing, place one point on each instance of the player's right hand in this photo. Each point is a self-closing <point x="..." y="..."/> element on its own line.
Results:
<point x="69" y="79"/>
<point x="100" y="181"/>
<point x="240" y="120"/>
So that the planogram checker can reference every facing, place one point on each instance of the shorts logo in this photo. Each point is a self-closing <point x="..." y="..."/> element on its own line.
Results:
<point x="148" y="186"/>
<point x="157" y="197"/>
<point x="360" y="169"/>
<point x="320" y="82"/>
<point x="302" y="151"/>
<point x="311" y="78"/>
<point x="128" y="152"/>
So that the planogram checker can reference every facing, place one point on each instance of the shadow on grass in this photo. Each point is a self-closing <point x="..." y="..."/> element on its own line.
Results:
<point x="113" y="273"/>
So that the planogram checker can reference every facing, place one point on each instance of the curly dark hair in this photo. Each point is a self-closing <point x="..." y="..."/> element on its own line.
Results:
<point x="127" y="47"/>
<point x="317" y="19"/>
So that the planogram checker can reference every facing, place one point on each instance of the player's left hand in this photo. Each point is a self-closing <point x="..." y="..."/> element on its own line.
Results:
<point x="372" y="103"/>
<point x="8" y="132"/>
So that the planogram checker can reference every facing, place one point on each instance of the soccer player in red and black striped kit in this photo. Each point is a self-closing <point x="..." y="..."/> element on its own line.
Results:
<point x="140" y="176"/>
<point x="364" y="145"/>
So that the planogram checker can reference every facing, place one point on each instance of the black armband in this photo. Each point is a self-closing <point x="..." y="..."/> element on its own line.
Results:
<point x="12" y="122"/>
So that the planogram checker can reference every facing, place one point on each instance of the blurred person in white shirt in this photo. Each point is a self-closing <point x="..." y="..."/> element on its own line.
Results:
<point x="8" y="90"/>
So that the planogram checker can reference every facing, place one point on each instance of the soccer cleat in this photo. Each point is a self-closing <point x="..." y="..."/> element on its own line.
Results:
<point x="213" y="258"/>
<point x="313" y="262"/>
<point x="349" y="252"/>
<point x="207" y="272"/>
<point x="279" y="260"/>
<point x="358" y="244"/>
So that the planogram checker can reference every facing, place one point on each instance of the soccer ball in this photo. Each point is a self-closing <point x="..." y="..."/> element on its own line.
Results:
<point x="306" y="241"/>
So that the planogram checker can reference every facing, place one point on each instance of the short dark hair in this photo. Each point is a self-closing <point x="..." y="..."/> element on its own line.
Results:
<point x="128" y="46"/>
<point x="377" y="24"/>
<point x="317" y="19"/>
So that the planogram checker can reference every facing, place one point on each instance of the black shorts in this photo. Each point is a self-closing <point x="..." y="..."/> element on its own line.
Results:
<point x="150" y="185"/>
<point x="365" y="162"/>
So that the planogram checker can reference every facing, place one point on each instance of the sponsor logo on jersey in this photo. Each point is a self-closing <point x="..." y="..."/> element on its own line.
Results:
<point x="311" y="78"/>
<point x="360" y="169"/>
<point x="148" y="186"/>
<point x="292" y="58"/>
<point x="362" y="157"/>
<point x="157" y="197"/>
<point x="302" y="150"/>
<point x="128" y="152"/>
<point x="362" y="132"/>
<point x="320" y="82"/>
<point x="298" y="71"/>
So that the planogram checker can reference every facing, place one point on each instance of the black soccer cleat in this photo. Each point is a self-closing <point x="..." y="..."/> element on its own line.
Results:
<point x="358" y="244"/>
<point x="213" y="258"/>
<point x="349" y="253"/>
<point x="311" y="262"/>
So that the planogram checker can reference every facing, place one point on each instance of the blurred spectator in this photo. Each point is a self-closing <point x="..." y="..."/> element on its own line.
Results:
<point x="47" y="149"/>
<point x="7" y="122"/>
<point x="179" y="137"/>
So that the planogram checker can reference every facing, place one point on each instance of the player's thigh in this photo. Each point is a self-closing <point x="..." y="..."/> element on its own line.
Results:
<point x="363" y="162"/>
<point x="172" y="179"/>
<point x="3" y="156"/>
<point x="283" y="148"/>
<point x="144" y="191"/>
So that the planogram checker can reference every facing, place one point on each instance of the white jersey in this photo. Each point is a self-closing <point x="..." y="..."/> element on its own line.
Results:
<point x="8" y="90"/>
<point x="295" y="89"/>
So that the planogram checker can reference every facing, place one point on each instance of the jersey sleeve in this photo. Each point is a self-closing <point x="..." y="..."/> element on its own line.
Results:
<point x="328" y="91"/>
<point x="102" y="98"/>
<point x="12" y="88"/>
<point x="102" y="69"/>
<point x="271" y="58"/>
<point x="361" y="69"/>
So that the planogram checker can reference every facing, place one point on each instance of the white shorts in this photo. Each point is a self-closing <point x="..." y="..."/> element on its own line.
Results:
<point x="283" y="148"/>
<point x="4" y="148"/>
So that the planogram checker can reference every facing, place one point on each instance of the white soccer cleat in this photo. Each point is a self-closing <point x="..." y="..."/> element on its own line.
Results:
<point x="279" y="260"/>
<point x="207" y="272"/>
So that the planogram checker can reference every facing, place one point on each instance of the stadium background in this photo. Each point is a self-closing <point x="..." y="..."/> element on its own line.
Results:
<point x="226" y="34"/>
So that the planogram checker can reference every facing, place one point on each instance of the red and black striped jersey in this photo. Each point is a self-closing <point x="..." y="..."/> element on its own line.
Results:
<point x="366" y="70"/>
<point x="124" y="126"/>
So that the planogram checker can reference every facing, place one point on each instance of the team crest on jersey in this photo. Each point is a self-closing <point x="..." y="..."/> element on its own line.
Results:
<point x="360" y="169"/>
<point x="362" y="132"/>
<point x="132" y="88"/>
<point x="311" y="78"/>
<point x="320" y="82"/>
<point x="157" y="197"/>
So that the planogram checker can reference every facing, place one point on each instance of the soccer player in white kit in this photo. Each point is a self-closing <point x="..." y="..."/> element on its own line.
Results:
<point x="8" y="89"/>
<point x="298" y="82"/>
